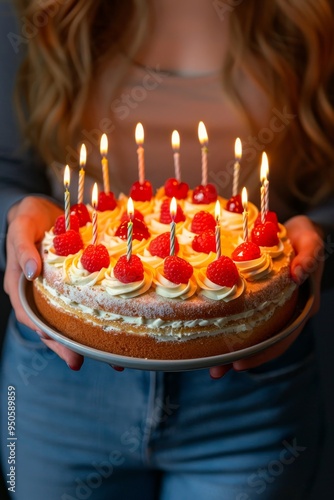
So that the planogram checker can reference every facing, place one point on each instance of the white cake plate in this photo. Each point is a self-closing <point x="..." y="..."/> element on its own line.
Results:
<point x="305" y="302"/>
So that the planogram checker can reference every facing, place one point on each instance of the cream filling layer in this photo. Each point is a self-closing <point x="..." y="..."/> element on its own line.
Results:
<point x="171" y="330"/>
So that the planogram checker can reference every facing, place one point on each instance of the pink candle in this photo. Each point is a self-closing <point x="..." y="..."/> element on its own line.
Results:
<point x="173" y="208"/>
<point x="218" y="239"/>
<point x="244" y="199"/>
<point x="264" y="187"/>
<point x="176" y="149"/>
<point x="203" y="139"/>
<point x="94" y="217"/>
<point x="139" y="135"/>
<point x="83" y="158"/>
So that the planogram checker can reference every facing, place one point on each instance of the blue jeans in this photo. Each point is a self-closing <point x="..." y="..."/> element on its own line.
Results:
<point x="99" y="434"/>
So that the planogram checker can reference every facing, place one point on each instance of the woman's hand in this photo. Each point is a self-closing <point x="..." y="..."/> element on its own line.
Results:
<point x="309" y="259"/>
<point x="27" y="223"/>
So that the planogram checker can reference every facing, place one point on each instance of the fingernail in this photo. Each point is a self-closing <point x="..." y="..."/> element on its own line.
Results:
<point x="41" y="334"/>
<point x="75" y="366"/>
<point x="30" y="269"/>
<point x="117" y="368"/>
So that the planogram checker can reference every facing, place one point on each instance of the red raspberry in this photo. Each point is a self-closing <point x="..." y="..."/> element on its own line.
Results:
<point x="67" y="243"/>
<point x="177" y="189"/>
<point x="128" y="271"/>
<point x="234" y="204"/>
<point x="59" y="226"/>
<point x="160" y="246"/>
<point x="205" y="194"/>
<point x="82" y="213"/>
<point x="223" y="272"/>
<point x="177" y="270"/>
<point x="246" y="251"/>
<point x="203" y="221"/>
<point x="270" y="217"/>
<point x="136" y="215"/>
<point x="265" y="235"/>
<point x="95" y="257"/>
<point x="165" y="217"/>
<point x="140" y="231"/>
<point x="106" y="202"/>
<point x="205" y="242"/>
<point x="141" y="192"/>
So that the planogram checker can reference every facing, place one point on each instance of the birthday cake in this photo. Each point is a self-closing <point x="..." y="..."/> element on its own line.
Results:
<point x="157" y="282"/>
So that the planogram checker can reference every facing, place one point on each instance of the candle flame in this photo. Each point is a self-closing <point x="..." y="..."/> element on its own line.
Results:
<point x="202" y="134"/>
<point x="238" y="149"/>
<point x="244" y="199"/>
<point x="94" y="195"/>
<point x="104" y="145"/>
<point x="83" y="155"/>
<point x="139" y="134"/>
<point x="217" y="210"/>
<point x="264" y="167"/>
<point x="67" y="177"/>
<point x="130" y="207"/>
<point x="173" y="207"/>
<point x="175" y="140"/>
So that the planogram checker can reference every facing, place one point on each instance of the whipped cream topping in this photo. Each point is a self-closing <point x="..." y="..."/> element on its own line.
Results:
<point x="197" y="259"/>
<point x="255" y="269"/>
<point x="274" y="251"/>
<point x="127" y="290"/>
<point x="75" y="274"/>
<point x="233" y="221"/>
<point x="217" y="292"/>
<point x="171" y="290"/>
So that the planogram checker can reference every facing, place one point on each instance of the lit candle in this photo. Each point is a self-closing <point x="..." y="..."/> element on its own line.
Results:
<point x="83" y="158"/>
<point x="104" y="161"/>
<point x="244" y="199"/>
<point x="176" y="149"/>
<point x="139" y="135"/>
<point x="94" y="217"/>
<point x="264" y="187"/>
<point x="217" y="215"/>
<point x="173" y="208"/>
<point x="130" y="209"/>
<point x="203" y="139"/>
<point x="67" y="197"/>
<point x="236" y="172"/>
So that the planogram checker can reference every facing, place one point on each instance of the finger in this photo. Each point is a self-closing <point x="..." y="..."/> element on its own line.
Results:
<point x="217" y="372"/>
<point x="71" y="358"/>
<point x="117" y="368"/>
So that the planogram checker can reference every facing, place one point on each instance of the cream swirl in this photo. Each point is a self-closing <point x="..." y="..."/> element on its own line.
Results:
<point x="274" y="251"/>
<point x="152" y="260"/>
<point x="75" y="274"/>
<point x="127" y="290"/>
<point x="52" y="258"/>
<point x="197" y="259"/>
<point x="156" y="227"/>
<point x="171" y="290"/>
<point x="217" y="292"/>
<point x="232" y="221"/>
<point x="255" y="269"/>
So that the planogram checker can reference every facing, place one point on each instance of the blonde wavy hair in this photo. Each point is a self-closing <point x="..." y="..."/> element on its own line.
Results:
<point x="288" y="47"/>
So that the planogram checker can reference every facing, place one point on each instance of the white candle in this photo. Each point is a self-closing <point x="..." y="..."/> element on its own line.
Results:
<point x="104" y="161"/>
<point x="236" y="172"/>
<point x="264" y="187"/>
<point x="83" y="159"/>
<point x="94" y="216"/>
<point x="176" y="149"/>
<point x="173" y="208"/>
<point x="130" y="209"/>
<point x="203" y="139"/>
<point x="67" y="197"/>
<point x="244" y="199"/>
<point x="139" y="135"/>
<point x="218" y="239"/>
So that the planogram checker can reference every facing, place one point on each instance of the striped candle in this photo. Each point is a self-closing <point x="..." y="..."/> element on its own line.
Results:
<point x="94" y="216"/>
<point x="67" y="197"/>
<point x="130" y="210"/>
<point x="173" y="209"/>
<point x="218" y="236"/>
<point x="83" y="158"/>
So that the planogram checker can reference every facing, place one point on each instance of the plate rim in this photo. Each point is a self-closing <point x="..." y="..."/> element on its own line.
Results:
<point x="178" y="365"/>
